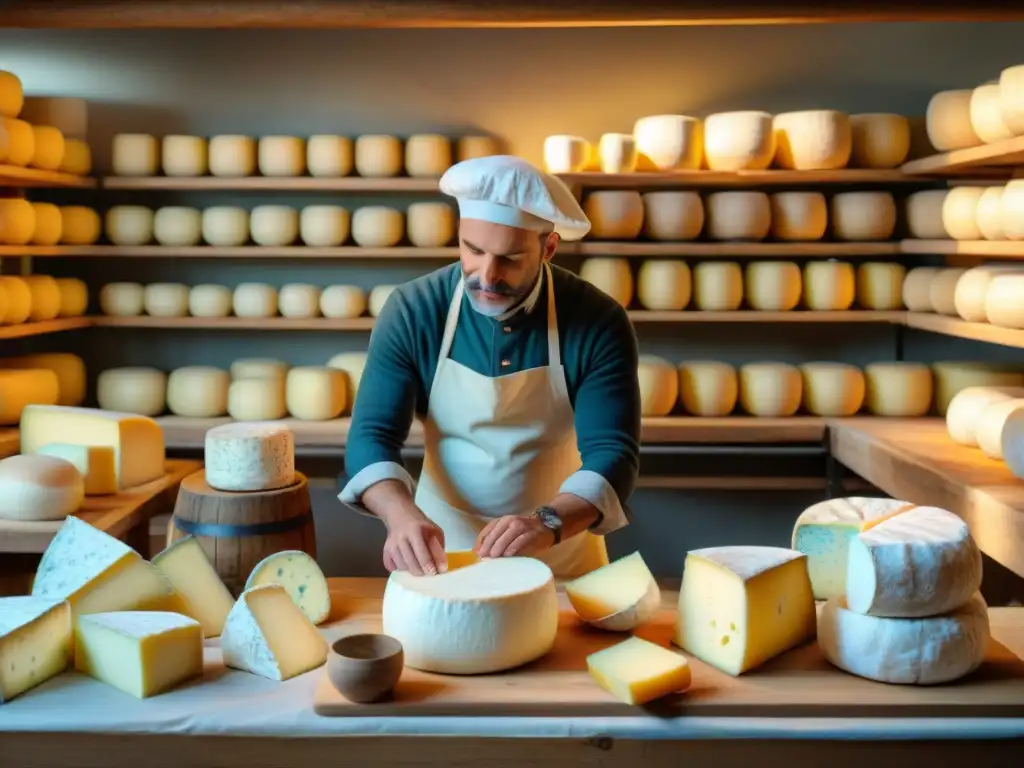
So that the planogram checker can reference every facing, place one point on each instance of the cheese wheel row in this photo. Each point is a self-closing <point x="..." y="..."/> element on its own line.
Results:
<point x="991" y="293"/>
<point x="49" y="378"/>
<point x="32" y="144"/>
<point x="35" y="298"/>
<point x="321" y="155"/>
<point x="969" y="117"/>
<point x="740" y="216"/>
<point x="967" y="213"/>
<point x="777" y="286"/>
<point x="30" y="223"/>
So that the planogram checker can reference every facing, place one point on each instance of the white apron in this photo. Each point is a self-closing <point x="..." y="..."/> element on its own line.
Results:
<point x="501" y="446"/>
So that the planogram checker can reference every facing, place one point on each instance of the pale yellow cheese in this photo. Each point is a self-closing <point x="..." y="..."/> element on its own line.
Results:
<point x="1011" y="98"/>
<point x="812" y="140"/>
<point x="659" y="385"/>
<point x="329" y="155"/>
<point x="132" y="389"/>
<point x="718" y="286"/>
<point x="324" y="226"/>
<point x="990" y="213"/>
<point x="798" y="215"/>
<point x="257" y="399"/>
<point x="880" y="140"/>
<point x="708" y="387"/>
<point x="254" y="300"/>
<point x="613" y="276"/>
<point x="300" y="576"/>
<point x="430" y="225"/>
<point x="225" y="225"/>
<point x="739" y="141"/>
<point x="619" y="596"/>
<point x="378" y="155"/>
<point x="315" y="393"/>
<point x="377" y="226"/>
<point x="986" y="115"/>
<point x="69" y="368"/>
<point x="898" y="389"/>
<point x="94" y="462"/>
<point x="166" y="299"/>
<point x="188" y="569"/>
<point x="863" y="215"/>
<point x="770" y="389"/>
<point x="880" y="285"/>
<point x="274" y="225"/>
<point x="135" y="154"/>
<point x="672" y="215"/>
<point x="953" y="376"/>
<point x="566" y="154"/>
<point x="39" y="488"/>
<point x="832" y="389"/>
<point x="36" y="643"/>
<point x="664" y="285"/>
<point x="471" y="147"/>
<point x="281" y="155"/>
<point x="637" y="671"/>
<point x="772" y="286"/>
<point x="917" y="288"/>
<point x="198" y="391"/>
<point x="617" y="153"/>
<point x="948" y="121"/>
<point x="942" y="290"/>
<point x="352" y="365"/>
<point x="669" y="142"/>
<point x="178" y="225"/>
<point x="829" y="285"/>
<point x="615" y="214"/>
<point x="427" y="155"/>
<point x="184" y="155"/>
<point x="738" y="215"/>
<point x="232" y="155"/>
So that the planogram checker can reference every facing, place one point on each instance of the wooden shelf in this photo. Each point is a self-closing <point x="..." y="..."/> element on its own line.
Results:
<point x="24" y="330"/>
<point x="16" y="176"/>
<point x="1000" y="249"/>
<point x="240" y="252"/>
<point x="914" y="459"/>
<point x="10" y="441"/>
<point x="237" y="323"/>
<point x="999" y="154"/>
<point x="683" y="179"/>
<point x="397" y="184"/>
<point x="961" y="329"/>
<point x="756" y="316"/>
<point x="732" y="249"/>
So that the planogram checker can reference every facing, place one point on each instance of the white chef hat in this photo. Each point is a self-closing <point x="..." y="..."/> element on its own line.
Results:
<point x="504" y="189"/>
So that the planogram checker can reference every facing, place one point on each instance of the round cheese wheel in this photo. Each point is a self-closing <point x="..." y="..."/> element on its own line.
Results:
<point x="798" y="215"/>
<point x="45" y="297"/>
<point x="664" y="285"/>
<point x="378" y="226"/>
<point x="659" y="385"/>
<point x="49" y="224"/>
<point x="832" y="389"/>
<point x="324" y="226"/>
<point x="898" y="389"/>
<point x="178" y="225"/>
<point x="299" y="300"/>
<point x="140" y="390"/>
<point x="427" y="155"/>
<point x="209" y="300"/>
<point x="79" y="225"/>
<point x="22" y="387"/>
<point x="566" y="154"/>
<point x="129" y="225"/>
<point x="617" y="153"/>
<point x="273" y="225"/>
<point x="135" y="154"/>
<point x="863" y="216"/>
<point x="1012" y="210"/>
<point x="880" y="140"/>
<point x="738" y="215"/>
<point x="960" y="213"/>
<point x="69" y="370"/>
<point x="258" y="368"/>
<point x="669" y="142"/>
<point x="257" y="399"/>
<point x="249" y="457"/>
<point x="281" y="156"/>
<point x="378" y="297"/>
<point x="19" y="300"/>
<point x="1011" y="98"/>
<point x="770" y="389"/>
<point x="739" y="141"/>
<point x="166" y="299"/>
<point x="924" y="214"/>
<point x="17" y="221"/>
<point x="122" y="299"/>
<point x="971" y="289"/>
<point x="315" y="393"/>
<point x="917" y="288"/>
<point x="773" y="286"/>
<point x="472" y="147"/>
<point x="992" y="422"/>
<point x="708" y="388"/>
<point x="37" y="487"/>
<point x="342" y="301"/>
<point x="184" y="156"/>
<point x="49" y="147"/>
<point x="986" y="114"/>
<point x="1004" y="300"/>
<point x="74" y="296"/>
<point x="329" y="155"/>
<point x="615" y="214"/>
<point x="225" y="226"/>
<point x="352" y="365"/>
<point x="672" y="215"/>
<point x="378" y="156"/>
<point x="77" y="158"/>
<point x="953" y="376"/>
<point x="880" y="285"/>
<point x="966" y="406"/>
<point x="1013" y="443"/>
<point x="430" y="225"/>
<point x="12" y="94"/>
<point x="812" y="140"/>
<point x="829" y="285"/>
<point x="20" y="147"/>
<point x="948" y="121"/>
<point x="232" y="155"/>
<point x="718" y="286"/>
<point x="613" y="276"/>
<point x="942" y="290"/>
<point x="254" y="300"/>
<point x="198" y="391"/>
<point x="990" y="214"/>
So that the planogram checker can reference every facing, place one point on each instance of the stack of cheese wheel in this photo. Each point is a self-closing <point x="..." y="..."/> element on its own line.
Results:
<point x="978" y="417"/>
<point x="989" y="113"/>
<point x="26" y="223"/>
<point x="257" y="389"/>
<point x="198" y="391"/>
<point x="20" y="387"/>
<point x="37" y="298"/>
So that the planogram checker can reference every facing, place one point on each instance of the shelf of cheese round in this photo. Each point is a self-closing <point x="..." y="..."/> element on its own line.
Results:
<point x="26" y="223"/>
<point x="41" y="298"/>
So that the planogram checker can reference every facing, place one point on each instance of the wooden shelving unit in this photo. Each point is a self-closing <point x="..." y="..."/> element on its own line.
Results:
<point x="42" y="327"/>
<point x="961" y="329"/>
<point x="998" y="156"/>
<point x="996" y="249"/>
<point x="756" y="316"/>
<point x="18" y="177"/>
<point x="237" y="323"/>
<point x="705" y="178"/>
<point x="239" y="252"/>
<point x="766" y="250"/>
<point x="394" y="185"/>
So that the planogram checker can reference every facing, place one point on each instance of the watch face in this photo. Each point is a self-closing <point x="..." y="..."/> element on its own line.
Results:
<point x="550" y="518"/>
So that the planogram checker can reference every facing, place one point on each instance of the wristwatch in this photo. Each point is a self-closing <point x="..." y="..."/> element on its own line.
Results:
<point x="551" y="521"/>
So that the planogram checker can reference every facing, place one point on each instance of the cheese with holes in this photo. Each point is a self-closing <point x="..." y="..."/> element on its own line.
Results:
<point x="952" y="376"/>
<point x="427" y="155"/>
<point x="488" y="617"/>
<point x="942" y="290"/>
<point x="832" y="389"/>
<point x="273" y="225"/>
<point x="672" y="215"/>
<point x="301" y="578"/>
<point x="880" y="140"/>
<point x="352" y="365"/>
<point x="132" y="389"/>
<point x="617" y="153"/>
<point x="198" y="391"/>
<point x="708" y="387"/>
<point x="718" y="286"/>
<point x="209" y="300"/>
<point x="812" y="140"/>
<point x="323" y="226"/>
<point x="377" y="226"/>
<point x="798" y="215"/>
<point x="225" y="226"/>
<point x="739" y="141"/>
<point x="141" y="653"/>
<point x="738" y="215"/>
<point x="94" y="464"/>
<point x="772" y="286"/>
<point x="770" y="389"/>
<point x="922" y="562"/>
<point x="316" y="393"/>
<point x="863" y="216"/>
<point x="178" y="225"/>
<point x="36" y="643"/>
<point x="20" y="388"/>
<point x="430" y="225"/>
<point x="232" y="155"/>
<point x="664" y="285"/>
<point x="986" y="115"/>
<point x="613" y="276"/>
<point x="257" y="399"/>
<point x="615" y="214"/>
<point x="184" y="156"/>
<point x="898" y="389"/>
<point x="17" y="221"/>
<point x="122" y="299"/>
<point x="281" y="156"/>
<point x="12" y="94"/>
<point x="880" y="285"/>
<point x="990" y="214"/>
<point x="741" y="606"/>
<point x="249" y="457"/>
<point x="135" y="154"/>
<point x="619" y="596"/>
<point x="49" y="224"/>
<point x="185" y="565"/>
<point x="566" y="154"/>
<point x="166" y="299"/>
<point x="299" y="300"/>
<point x="992" y="423"/>
<point x="917" y="287"/>
<point x="266" y="634"/>
<point x="966" y="406"/>
<point x="823" y="532"/>
<point x="1004" y="299"/>
<point x="39" y="487"/>
<point x="669" y="142"/>
<point x="659" y="386"/>
<point x="329" y="155"/>
<point x="969" y="296"/>
<point x="637" y="671"/>
<point x="378" y="297"/>
<point x="948" y="121"/>
<point x="378" y="155"/>
<point x="254" y="300"/>
<point x="20" y="145"/>
<point x="69" y="369"/>
<point x="1012" y="439"/>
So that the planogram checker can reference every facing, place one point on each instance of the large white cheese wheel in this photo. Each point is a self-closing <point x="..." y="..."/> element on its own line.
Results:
<point x="617" y="153"/>
<point x="254" y="300"/>
<point x="992" y="422"/>
<point x="257" y="399"/>
<point x="339" y="301"/>
<point x="942" y="290"/>
<point x="917" y="287"/>
<point x="472" y="147"/>
<point x="20" y="388"/>
<point x="258" y="368"/>
<point x="798" y="215"/>
<point x="199" y="391"/>
<point x="615" y="214"/>
<point x="953" y="376"/>
<point x="378" y="156"/>
<point x="773" y="286"/>
<point x="45" y="297"/>
<point x="487" y="617"/>
<point x="12" y="94"/>
<point x="948" y="121"/>
<point x="324" y="226"/>
<point x="39" y="487"/>
<point x="166" y="299"/>
<point x="314" y="393"/>
<point x="986" y="114"/>
<point x="133" y="389"/>
<point x="77" y="158"/>
<point x="1004" y="300"/>
<point x="1011" y="98"/>
<point x="970" y="295"/>
<point x="880" y="285"/>
<point x="129" y="225"/>
<point x="135" y="154"/>
<point x="274" y="225"/>
<point x="249" y="457"/>
<point x="74" y="296"/>
<point x="829" y="285"/>
<point x="1012" y="210"/>
<point x="960" y="213"/>
<point x="924" y="214"/>
<point x="812" y="140"/>
<point x="281" y="156"/>
<point x="232" y="155"/>
<point x="79" y="225"/>
<point x="209" y="300"/>
<point x="925" y="651"/>
<point x="49" y="224"/>
<point x="378" y="226"/>
<point x="990" y="214"/>
<point x="899" y="389"/>
<point x="832" y="389"/>
<point x="184" y="156"/>
<point x="770" y="389"/>
<point x="19" y="300"/>
<point x="430" y="225"/>
<point x="17" y="221"/>
<point x="613" y="276"/>
<point x="122" y="299"/>
<point x="427" y="155"/>
<point x="708" y="388"/>
<point x="352" y="364"/>
<point x="659" y="386"/>
<point x="299" y="300"/>
<point x="225" y="226"/>
<point x="178" y="225"/>
<point x="718" y="286"/>
<point x="329" y="155"/>
<point x="49" y="147"/>
<point x="378" y="297"/>
<point x="669" y="142"/>
<point x="664" y="285"/>
<point x="880" y="140"/>
<point x="738" y="215"/>
<point x="861" y="216"/>
<point x="672" y="215"/>
<point x="566" y="154"/>
<point x="739" y="141"/>
<point x="1013" y="443"/>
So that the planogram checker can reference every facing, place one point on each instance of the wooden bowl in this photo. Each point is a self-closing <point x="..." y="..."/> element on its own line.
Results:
<point x="365" y="668"/>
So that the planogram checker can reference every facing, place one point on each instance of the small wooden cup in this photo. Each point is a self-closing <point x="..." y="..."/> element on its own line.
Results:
<point x="365" y="668"/>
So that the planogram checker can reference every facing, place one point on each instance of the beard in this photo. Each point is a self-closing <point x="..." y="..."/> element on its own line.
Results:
<point x="491" y="307"/>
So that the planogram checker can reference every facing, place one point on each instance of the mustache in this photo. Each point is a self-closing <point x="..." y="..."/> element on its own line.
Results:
<point x="501" y="288"/>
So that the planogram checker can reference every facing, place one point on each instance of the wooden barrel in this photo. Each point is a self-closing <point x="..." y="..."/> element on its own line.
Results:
<point x="238" y="529"/>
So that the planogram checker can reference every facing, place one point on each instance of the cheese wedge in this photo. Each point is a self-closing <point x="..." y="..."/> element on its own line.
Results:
<point x="187" y="568"/>
<point x="638" y="671"/>
<point x="35" y="642"/>
<point x="619" y="596"/>
<point x="301" y="578"/>
<point x="95" y="462"/>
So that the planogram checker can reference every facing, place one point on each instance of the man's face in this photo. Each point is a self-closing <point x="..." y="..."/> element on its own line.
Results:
<point x="500" y="263"/>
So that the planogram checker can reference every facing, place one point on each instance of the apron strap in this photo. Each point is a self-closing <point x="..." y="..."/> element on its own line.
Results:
<point x="554" y="350"/>
<point x="452" y="321"/>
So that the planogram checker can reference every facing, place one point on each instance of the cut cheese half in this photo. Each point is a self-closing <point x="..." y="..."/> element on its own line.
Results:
<point x="301" y="578"/>
<point x="188" y="569"/>
<point x="637" y="671"/>
<point x="36" y="642"/>
<point x="619" y="596"/>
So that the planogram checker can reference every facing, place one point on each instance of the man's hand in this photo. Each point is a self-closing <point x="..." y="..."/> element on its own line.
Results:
<point x="414" y="544"/>
<point x="514" y="535"/>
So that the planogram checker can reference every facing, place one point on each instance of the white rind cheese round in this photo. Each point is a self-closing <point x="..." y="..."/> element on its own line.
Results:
<point x="743" y="215"/>
<point x="708" y="388"/>
<point x="1004" y="299"/>
<point x="378" y="298"/>
<point x="992" y="423"/>
<point x="863" y="216"/>
<point x="122" y="299"/>
<point x="274" y="225"/>
<point x="1011" y="210"/>
<point x="664" y="285"/>
<point x="299" y="300"/>
<point x="948" y="121"/>
<point x="254" y="300"/>
<point x="225" y="226"/>
<point x="566" y="154"/>
<point x="880" y="140"/>
<point x="960" y="213"/>
<point x="970" y="295"/>
<point x="669" y="142"/>
<point x="472" y="147"/>
<point x="924" y="214"/>
<point x="166" y="299"/>
<point x="829" y="285"/>
<point x="314" y="393"/>
<point x="615" y="214"/>
<point x="232" y="155"/>
<point x="487" y="617"/>
<point x="1011" y="98"/>
<point x="430" y="225"/>
<point x="953" y="376"/>
<point x="812" y="140"/>
<point x="990" y="214"/>
<point x="832" y="389"/>
<point x="770" y="389"/>
<point x="140" y="390"/>
<point x="987" y="115"/>
<point x="617" y="153"/>
<point x="798" y="216"/>
<point x="129" y="225"/>
<point x="772" y="286"/>
<point x="966" y="407"/>
<point x="924" y="651"/>
<point x="178" y="225"/>
<point x="1012" y="446"/>
<point x="342" y="301"/>
<point x="920" y="563"/>
<point x="917" y="287"/>
<point x="739" y="141"/>
<point x="39" y="487"/>
<point x="352" y="365"/>
<point x="135" y="154"/>
<point x="718" y="286"/>
<point x="249" y="457"/>
<point x="673" y="215"/>
<point x="659" y="386"/>
<point x="942" y="290"/>
<point x="258" y="368"/>
<point x="209" y="300"/>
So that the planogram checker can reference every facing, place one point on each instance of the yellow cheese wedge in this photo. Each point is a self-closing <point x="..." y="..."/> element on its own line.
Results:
<point x="637" y="671"/>
<point x="35" y="642"/>
<point x="619" y="596"/>
<point x="95" y="462"/>
<point x="461" y="559"/>
<point x="188" y="569"/>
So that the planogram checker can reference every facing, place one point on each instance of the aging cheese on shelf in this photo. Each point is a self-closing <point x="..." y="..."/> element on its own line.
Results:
<point x="430" y="225"/>
<point x="812" y="140"/>
<point x="617" y="153"/>
<point x="637" y="671"/>
<point x="329" y="155"/>
<point x="708" y="388"/>
<point x="672" y="215"/>
<point x="184" y="155"/>
<point x="1012" y="210"/>
<point x="773" y="286"/>
<point x="135" y="154"/>
<point x="94" y="463"/>
<point x="863" y="216"/>
<point x="427" y="155"/>
<point x="74" y="296"/>
<point x="19" y="300"/>
<point x="770" y="389"/>
<point x="990" y="214"/>
<point x="273" y="225"/>
<point x="45" y="297"/>
<point x="12" y="94"/>
<point x="36" y="642"/>
<point x="352" y="365"/>
<point x="49" y="224"/>
<point x="378" y="226"/>
<point x="209" y="300"/>
<point x="301" y="578"/>
<point x="178" y="225"/>
<point x="664" y="285"/>
<point x="472" y="147"/>
<point x="717" y="286"/>
<point x="166" y="299"/>
<point x="17" y="221"/>
<point x="1011" y="98"/>
<point x="942" y="290"/>
<point x="129" y="225"/>
<point x="281" y="155"/>
<point x="315" y="393"/>
<point x="1012" y="439"/>
<point x="615" y="214"/>
<point x="739" y="141"/>
<point x="79" y="225"/>
<point x="258" y="368"/>
<point x="986" y="115"/>
<point x="69" y="369"/>
<point x="798" y="215"/>
<point x="134" y="389"/>
<point x="488" y="617"/>
<point x="659" y="386"/>
<point x="188" y="569"/>
<point x="40" y="487"/>
<point x="741" y="606"/>
<point x="254" y="300"/>
<point x="880" y="285"/>
<point x="924" y="214"/>
<point x="952" y="376"/>
<point x="378" y="297"/>
<point x="1004" y="299"/>
<point x="917" y="287"/>
<point x="299" y="300"/>
<point x="566" y="154"/>
<point x="22" y="388"/>
<point x="232" y="155"/>
<point x="77" y="158"/>
<point x="618" y="597"/>
<point x="738" y="216"/>
<point x="965" y="408"/>
<point x="669" y="142"/>
<point x="970" y="294"/>
<point x="378" y="156"/>
<point x="21" y="142"/>
<point x="257" y="399"/>
<point x="832" y="389"/>
<point x="342" y="301"/>
<point x="960" y="213"/>
<point x="49" y="147"/>
<point x="880" y="140"/>
<point x="225" y="226"/>
<point x="198" y="391"/>
<point x="324" y="226"/>
<point x="992" y="424"/>
<point x="948" y="121"/>
<point x="613" y="276"/>
<point x="249" y="457"/>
